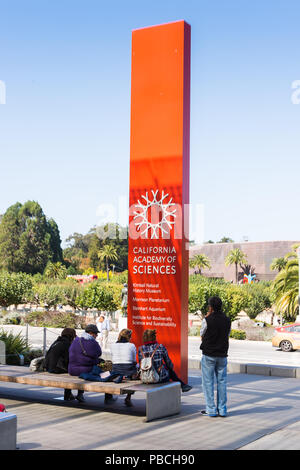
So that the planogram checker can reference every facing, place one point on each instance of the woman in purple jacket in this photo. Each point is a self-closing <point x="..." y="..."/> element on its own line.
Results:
<point x="84" y="353"/>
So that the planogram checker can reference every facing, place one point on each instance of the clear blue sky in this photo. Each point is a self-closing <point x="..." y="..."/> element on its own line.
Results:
<point x="65" y="127"/>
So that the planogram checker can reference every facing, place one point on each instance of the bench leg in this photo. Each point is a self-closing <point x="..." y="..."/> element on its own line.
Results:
<point x="164" y="401"/>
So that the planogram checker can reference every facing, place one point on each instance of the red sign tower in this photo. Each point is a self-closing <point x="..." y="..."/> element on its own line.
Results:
<point x="159" y="187"/>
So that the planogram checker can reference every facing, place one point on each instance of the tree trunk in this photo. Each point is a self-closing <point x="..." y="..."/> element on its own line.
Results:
<point x="107" y="270"/>
<point x="236" y="273"/>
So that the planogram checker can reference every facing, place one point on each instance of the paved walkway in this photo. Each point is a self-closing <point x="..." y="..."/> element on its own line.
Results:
<point x="264" y="413"/>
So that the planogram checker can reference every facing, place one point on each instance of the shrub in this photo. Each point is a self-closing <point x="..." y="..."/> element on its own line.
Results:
<point x="233" y="298"/>
<point x="260" y="298"/>
<point x="11" y="318"/>
<point x="15" y="288"/>
<point x="97" y="296"/>
<point x="253" y="298"/>
<point x="122" y="277"/>
<point x="14" y="346"/>
<point x="238" y="334"/>
<point x="54" y="319"/>
<point x="54" y="292"/>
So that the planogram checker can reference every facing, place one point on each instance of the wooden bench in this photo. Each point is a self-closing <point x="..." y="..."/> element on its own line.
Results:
<point x="161" y="399"/>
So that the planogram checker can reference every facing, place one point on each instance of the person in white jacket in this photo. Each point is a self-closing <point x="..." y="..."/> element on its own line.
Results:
<point x="123" y="356"/>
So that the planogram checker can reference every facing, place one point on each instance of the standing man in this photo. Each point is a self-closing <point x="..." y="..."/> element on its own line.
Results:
<point x="103" y="325"/>
<point x="215" y="330"/>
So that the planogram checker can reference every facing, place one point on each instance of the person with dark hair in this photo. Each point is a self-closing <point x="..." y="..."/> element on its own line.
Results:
<point x="84" y="353"/>
<point x="57" y="357"/>
<point x="161" y="359"/>
<point x="215" y="330"/>
<point x="123" y="356"/>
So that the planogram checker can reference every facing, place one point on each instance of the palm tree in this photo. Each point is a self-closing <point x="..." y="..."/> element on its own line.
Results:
<point x="200" y="261"/>
<point x="235" y="256"/>
<point x="278" y="264"/>
<point x="108" y="253"/>
<point x="286" y="287"/>
<point x="55" y="270"/>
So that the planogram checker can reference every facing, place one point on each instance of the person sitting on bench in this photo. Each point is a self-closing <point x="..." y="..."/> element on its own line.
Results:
<point x="123" y="354"/>
<point x="123" y="358"/>
<point x="57" y="357"/>
<point x="161" y="360"/>
<point x="84" y="353"/>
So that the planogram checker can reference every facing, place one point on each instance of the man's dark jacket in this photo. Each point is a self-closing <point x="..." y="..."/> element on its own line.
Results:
<point x="215" y="341"/>
<point x="57" y="357"/>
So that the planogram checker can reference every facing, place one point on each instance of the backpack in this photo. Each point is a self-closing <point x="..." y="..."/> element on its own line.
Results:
<point x="148" y="373"/>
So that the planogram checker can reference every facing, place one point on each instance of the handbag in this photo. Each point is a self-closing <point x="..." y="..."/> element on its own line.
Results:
<point x="106" y="366"/>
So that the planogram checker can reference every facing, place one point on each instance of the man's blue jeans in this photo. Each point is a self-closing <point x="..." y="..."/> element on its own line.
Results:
<point x="214" y="367"/>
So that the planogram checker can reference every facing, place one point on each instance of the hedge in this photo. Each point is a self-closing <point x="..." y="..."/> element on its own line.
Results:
<point x="252" y="298"/>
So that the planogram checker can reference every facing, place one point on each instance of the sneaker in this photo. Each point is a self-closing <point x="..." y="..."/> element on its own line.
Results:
<point x="203" y="413"/>
<point x="186" y="388"/>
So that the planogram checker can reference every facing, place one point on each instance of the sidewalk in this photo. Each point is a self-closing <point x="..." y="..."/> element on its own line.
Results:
<point x="264" y="413"/>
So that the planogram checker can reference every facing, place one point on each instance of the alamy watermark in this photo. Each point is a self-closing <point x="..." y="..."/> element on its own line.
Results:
<point x="154" y="215"/>
<point x="2" y="92"/>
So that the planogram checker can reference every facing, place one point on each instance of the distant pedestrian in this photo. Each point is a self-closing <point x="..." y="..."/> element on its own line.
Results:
<point x="215" y="330"/>
<point x="103" y="325"/>
<point x="124" y="295"/>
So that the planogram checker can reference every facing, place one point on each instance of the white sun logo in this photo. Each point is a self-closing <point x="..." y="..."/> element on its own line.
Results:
<point x="155" y="214"/>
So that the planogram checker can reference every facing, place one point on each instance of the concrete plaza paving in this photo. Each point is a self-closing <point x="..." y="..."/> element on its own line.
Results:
<point x="264" y="413"/>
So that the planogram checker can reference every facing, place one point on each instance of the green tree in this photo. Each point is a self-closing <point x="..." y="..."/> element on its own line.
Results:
<point x="94" y="248"/>
<point x="88" y="246"/>
<point x="236" y="257"/>
<point x="55" y="241"/>
<point x="286" y="287"/>
<point x="27" y="239"/>
<point x="116" y="236"/>
<point x="200" y="261"/>
<point x="77" y="249"/>
<point x="278" y="264"/>
<point x="108" y="253"/>
<point x="226" y="240"/>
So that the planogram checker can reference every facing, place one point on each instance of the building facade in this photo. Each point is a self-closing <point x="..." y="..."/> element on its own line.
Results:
<point x="259" y="256"/>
